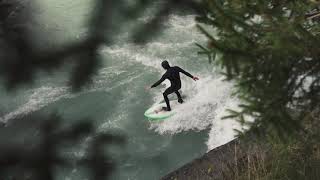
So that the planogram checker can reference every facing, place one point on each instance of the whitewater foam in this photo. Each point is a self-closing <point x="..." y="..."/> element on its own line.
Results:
<point x="206" y="104"/>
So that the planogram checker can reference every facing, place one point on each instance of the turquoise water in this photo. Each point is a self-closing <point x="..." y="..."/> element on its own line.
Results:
<point x="116" y="99"/>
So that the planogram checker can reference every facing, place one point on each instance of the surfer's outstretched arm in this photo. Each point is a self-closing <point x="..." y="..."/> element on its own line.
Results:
<point x="185" y="72"/>
<point x="188" y="74"/>
<point x="159" y="82"/>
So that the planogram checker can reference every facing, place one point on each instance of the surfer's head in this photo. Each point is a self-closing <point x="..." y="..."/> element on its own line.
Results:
<point x="165" y="64"/>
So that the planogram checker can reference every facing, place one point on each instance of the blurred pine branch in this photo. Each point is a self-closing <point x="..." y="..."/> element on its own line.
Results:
<point x="271" y="48"/>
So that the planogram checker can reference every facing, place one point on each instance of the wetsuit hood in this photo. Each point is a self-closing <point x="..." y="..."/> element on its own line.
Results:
<point x="165" y="64"/>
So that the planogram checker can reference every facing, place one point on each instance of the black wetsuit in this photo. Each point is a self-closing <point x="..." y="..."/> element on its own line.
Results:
<point x="173" y="75"/>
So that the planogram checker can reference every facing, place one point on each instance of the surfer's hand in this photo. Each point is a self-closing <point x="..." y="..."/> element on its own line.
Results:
<point x="147" y="88"/>
<point x="195" y="78"/>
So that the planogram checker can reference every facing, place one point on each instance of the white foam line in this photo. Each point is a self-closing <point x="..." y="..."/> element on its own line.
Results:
<point x="144" y="55"/>
<point x="45" y="95"/>
<point x="37" y="100"/>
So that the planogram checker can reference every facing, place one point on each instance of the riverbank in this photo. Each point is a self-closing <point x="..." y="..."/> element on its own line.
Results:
<point x="222" y="162"/>
<point x="295" y="157"/>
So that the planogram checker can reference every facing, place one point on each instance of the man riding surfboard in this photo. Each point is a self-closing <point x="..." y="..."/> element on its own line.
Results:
<point x="173" y="75"/>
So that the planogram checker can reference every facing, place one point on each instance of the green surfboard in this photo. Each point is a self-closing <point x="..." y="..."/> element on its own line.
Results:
<point x="155" y="113"/>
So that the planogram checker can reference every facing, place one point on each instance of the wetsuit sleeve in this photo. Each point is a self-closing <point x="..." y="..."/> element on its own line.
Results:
<point x="185" y="72"/>
<point x="159" y="82"/>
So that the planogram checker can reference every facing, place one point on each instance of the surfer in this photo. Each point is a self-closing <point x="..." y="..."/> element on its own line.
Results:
<point x="172" y="73"/>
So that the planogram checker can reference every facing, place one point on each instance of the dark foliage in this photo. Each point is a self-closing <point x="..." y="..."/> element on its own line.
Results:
<point x="271" y="49"/>
<point x="33" y="149"/>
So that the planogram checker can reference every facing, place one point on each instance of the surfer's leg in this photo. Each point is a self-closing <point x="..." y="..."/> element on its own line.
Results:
<point x="179" y="96"/>
<point x="166" y="99"/>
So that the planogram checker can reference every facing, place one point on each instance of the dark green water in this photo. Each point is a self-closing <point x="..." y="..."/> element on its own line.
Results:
<point x="117" y="99"/>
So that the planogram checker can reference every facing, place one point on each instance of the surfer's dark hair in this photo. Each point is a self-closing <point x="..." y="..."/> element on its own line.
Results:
<point x="165" y="64"/>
